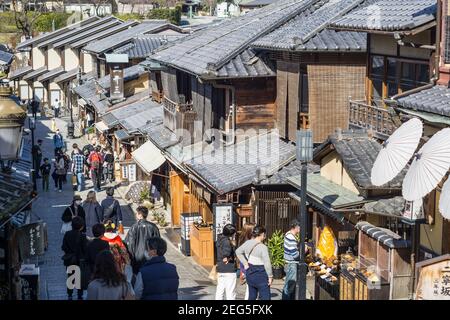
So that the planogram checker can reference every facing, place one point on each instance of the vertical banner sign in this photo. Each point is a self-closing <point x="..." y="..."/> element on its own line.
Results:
<point x="31" y="240"/>
<point x="223" y="214"/>
<point x="124" y="171"/>
<point x="116" y="92"/>
<point x="132" y="172"/>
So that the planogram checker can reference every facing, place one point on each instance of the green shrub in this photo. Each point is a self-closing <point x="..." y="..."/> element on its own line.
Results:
<point x="145" y="194"/>
<point x="275" y="245"/>
<point x="171" y="15"/>
<point x="45" y="22"/>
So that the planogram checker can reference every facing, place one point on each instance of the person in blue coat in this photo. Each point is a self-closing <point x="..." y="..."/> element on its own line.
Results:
<point x="58" y="142"/>
<point x="157" y="279"/>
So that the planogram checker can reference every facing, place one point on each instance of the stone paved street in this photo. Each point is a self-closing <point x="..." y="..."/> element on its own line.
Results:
<point x="194" y="282"/>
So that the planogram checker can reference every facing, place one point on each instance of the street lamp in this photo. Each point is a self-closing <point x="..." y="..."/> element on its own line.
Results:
<point x="32" y="127"/>
<point x="305" y="148"/>
<point x="12" y="119"/>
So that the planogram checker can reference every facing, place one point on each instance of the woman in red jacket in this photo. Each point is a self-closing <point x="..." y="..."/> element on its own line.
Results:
<point x="116" y="246"/>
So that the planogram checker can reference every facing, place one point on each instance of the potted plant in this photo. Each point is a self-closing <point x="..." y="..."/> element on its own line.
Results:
<point x="276" y="253"/>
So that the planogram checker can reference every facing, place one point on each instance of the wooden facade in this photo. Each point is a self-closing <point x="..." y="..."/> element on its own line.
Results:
<point x="317" y="86"/>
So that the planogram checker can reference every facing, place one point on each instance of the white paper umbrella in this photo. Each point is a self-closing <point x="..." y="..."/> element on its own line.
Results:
<point x="396" y="152"/>
<point x="444" y="200"/>
<point x="429" y="166"/>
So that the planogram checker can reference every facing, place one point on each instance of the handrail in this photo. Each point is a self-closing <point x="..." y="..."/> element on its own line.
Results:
<point x="366" y="116"/>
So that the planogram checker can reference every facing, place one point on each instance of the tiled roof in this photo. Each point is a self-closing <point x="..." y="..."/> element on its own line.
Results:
<point x="247" y="64"/>
<point x="387" y="207"/>
<point x="207" y="50"/>
<point x="122" y="134"/>
<point x="104" y="34"/>
<point x="18" y="73"/>
<point x="327" y="193"/>
<point x="123" y="37"/>
<point x="307" y="32"/>
<point x="434" y="100"/>
<point x="51" y="74"/>
<point x="388" y="15"/>
<point x="73" y="31"/>
<point x="385" y="236"/>
<point x="35" y="73"/>
<point x="141" y="46"/>
<point x="257" y="3"/>
<point x="43" y="37"/>
<point x="232" y="167"/>
<point x="114" y="117"/>
<point x="66" y="76"/>
<point x="87" y="90"/>
<point x="358" y="153"/>
<point x="107" y="24"/>
<point x="292" y="169"/>
<point x="153" y="112"/>
<point x="162" y="137"/>
<point x="6" y="57"/>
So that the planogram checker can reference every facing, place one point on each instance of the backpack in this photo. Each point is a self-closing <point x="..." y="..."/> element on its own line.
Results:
<point x="95" y="160"/>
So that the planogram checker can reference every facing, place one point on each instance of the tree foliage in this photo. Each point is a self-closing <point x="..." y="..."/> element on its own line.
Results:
<point x="172" y="15"/>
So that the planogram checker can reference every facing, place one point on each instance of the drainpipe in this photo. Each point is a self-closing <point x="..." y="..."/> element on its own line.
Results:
<point x="232" y="107"/>
<point x="439" y="25"/>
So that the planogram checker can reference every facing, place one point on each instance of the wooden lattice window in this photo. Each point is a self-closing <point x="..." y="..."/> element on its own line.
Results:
<point x="447" y="40"/>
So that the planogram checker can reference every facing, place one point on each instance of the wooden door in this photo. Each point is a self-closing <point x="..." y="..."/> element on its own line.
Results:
<point x="176" y="196"/>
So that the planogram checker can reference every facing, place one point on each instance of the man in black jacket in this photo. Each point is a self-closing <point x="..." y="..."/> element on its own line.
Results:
<point x="137" y="238"/>
<point x="74" y="247"/>
<point x="111" y="207"/>
<point x="96" y="245"/>
<point x="226" y="264"/>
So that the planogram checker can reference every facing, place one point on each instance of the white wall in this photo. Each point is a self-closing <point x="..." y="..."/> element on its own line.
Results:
<point x="54" y="59"/>
<point x="38" y="58"/>
<point x="70" y="59"/>
<point x="87" y="62"/>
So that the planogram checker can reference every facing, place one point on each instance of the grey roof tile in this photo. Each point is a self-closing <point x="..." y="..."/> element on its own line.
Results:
<point x="247" y="64"/>
<point x="306" y="32"/>
<point x="358" y="153"/>
<point x="51" y="74"/>
<point x="141" y="46"/>
<point x="121" y="134"/>
<point x="45" y="36"/>
<point x="87" y="32"/>
<point x="73" y="31"/>
<point x="104" y="34"/>
<point x="6" y="57"/>
<point x="66" y="76"/>
<point x="116" y="115"/>
<point x="434" y="100"/>
<point x="385" y="236"/>
<point x="257" y="3"/>
<point x="292" y="169"/>
<point x="159" y="135"/>
<point x="152" y="113"/>
<point x="388" y="207"/>
<point x="18" y="73"/>
<point x="125" y="36"/>
<point x="388" y="15"/>
<point x="35" y="73"/>
<point x="129" y="74"/>
<point x="209" y="49"/>
<point x="232" y="167"/>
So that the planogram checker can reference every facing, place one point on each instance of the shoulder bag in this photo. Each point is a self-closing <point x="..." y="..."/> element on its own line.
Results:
<point x="67" y="226"/>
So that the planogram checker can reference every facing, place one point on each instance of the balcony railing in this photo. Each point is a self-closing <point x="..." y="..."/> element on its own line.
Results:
<point x="365" y="116"/>
<point x="157" y="96"/>
<point x="177" y="114"/>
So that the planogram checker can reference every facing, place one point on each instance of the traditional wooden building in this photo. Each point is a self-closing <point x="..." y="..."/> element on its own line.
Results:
<point x="401" y="38"/>
<point x="317" y="69"/>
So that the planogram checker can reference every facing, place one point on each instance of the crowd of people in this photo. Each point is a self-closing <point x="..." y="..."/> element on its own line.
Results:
<point x="113" y="268"/>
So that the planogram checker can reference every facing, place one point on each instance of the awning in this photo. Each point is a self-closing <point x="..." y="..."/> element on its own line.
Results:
<point x="101" y="126"/>
<point x="148" y="157"/>
<point x="51" y="74"/>
<point x="18" y="73"/>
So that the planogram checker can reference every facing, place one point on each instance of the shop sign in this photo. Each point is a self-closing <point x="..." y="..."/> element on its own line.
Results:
<point x="125" y="171"/>
<point x="434" y="279"/>
<point x="31" y="240"/>
<point x="223" y="215"/>
<point x="132" y="172"/>
<point x="117" y="91"/>
<point x="346" y="239"/>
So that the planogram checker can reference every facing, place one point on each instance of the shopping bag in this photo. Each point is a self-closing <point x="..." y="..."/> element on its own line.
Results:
<point x="213" y="273"/>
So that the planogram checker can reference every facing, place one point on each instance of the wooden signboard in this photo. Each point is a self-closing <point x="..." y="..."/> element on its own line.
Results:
<point x="223" y="214"/>
<point x="31" y="240"/>
<point x="433" y="279"/>
<point x="117" y="90"/>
